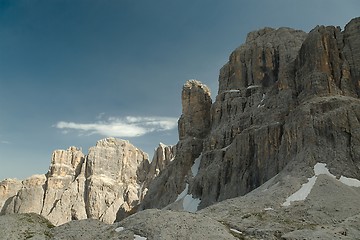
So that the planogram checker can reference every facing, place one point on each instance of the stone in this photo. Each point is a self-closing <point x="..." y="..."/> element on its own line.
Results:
<point x="25" y="226"/>
<point x="163" y="156"/>
<point x="8" y="190"/>
<point x="108" y="180"/>
<point x="30" y="198"/>
<point x="115" y="172"/>
<point x="193" y="125"/>
<point x="167" y="225"/>
<point x="288" y="102"/>
<point x="196" y="104"/>
<point x="284" y="97"/>
<point x="65" y="168"/>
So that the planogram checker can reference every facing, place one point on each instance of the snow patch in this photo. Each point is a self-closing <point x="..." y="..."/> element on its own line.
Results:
<point x="232" y="91"/>
<point x="262" y="100"/>
<point x="189" y="203"/>
<point x="302" y="193"/>
<point x="225" y="148"/>
<point x="268" y="209"/>
<point x="183" y="193"/>
<point x="253" y="86"/>
<point x="138" y="237"/>
<point x="195" y="166"/>
<point x="235" y="231"/>
<point x="352" y="182"/>
<point x="319" y="168"/>
<point x="119" y="229"/>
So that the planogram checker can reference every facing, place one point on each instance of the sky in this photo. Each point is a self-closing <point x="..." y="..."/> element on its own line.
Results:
<point x="75" y="71"/>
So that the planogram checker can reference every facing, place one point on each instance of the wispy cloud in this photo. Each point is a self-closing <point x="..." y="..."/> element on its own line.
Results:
<point x="120" y="127"/>
<point x="4" y="142"/>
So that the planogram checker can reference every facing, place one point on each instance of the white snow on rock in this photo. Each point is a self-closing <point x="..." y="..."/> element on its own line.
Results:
<point x="195" y="166"/>
<point x="319" y="168"/>
<point x="225" y="148"/>
<point x="262" y="100"/>
<point x="119" y="229"/>
<point x="138" y="237"/>
<point x="302" y="193"/>
<point x="253" y="86"/>
<point x="235" y="231"/>
<point x="231" y="91"/>
<point x="189" y="203"/>
<point x="183" y="193"/>
<point x="352" y="182"/>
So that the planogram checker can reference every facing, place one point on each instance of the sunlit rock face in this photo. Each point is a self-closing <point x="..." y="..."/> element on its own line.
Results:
<point x="115" y="173"/>
<point x="287" y="101"/>
<point x="109" y="179"/>
<point x="8" y="190"/>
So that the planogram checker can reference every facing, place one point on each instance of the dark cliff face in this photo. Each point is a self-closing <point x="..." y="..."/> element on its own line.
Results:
<point x="285" y="98"/>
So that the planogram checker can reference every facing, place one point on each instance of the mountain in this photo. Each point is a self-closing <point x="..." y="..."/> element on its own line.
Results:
<point x="106" y="184"/>
<point x="287" y="100"/>
<point x="275" y="156"/>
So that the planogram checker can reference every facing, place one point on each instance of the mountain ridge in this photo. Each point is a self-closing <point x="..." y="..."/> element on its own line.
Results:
<point x="287" y="102"/>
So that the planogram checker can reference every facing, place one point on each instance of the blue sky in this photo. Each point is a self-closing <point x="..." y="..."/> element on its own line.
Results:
<point x="75" y="71"/>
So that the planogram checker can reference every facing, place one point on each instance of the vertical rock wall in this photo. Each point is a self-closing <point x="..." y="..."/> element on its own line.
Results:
<point x="285" y="98"/>
<point x="79" y="187"/>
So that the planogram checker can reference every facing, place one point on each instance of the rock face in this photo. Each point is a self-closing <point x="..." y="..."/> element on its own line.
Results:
<point x="276" y="156"/>
<point x="196" y="104"/>
<point x="194" y="125"/>
<point x="115" y="173"/>
<point x="329" y="209"/>
<point x="64" y="195"/>
<point x="285" y="97"/>
<point x="109" y="179"/>
<point x="8" y="190"/>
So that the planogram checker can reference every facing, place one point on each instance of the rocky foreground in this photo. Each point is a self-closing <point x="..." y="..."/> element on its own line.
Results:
<point x="275" y="156"/>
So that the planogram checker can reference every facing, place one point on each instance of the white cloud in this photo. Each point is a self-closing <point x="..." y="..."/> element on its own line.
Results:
<point x="121" y="127"/>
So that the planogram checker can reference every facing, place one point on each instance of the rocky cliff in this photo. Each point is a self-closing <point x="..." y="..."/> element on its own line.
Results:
<point x="107" y="183"/>
<point x="275" y="156"/>
<point x="286" y="99"/>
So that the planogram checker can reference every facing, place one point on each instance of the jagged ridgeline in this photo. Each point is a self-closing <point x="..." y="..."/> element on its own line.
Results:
<point x="111" y="180"/>
<point x="275" y="156"/>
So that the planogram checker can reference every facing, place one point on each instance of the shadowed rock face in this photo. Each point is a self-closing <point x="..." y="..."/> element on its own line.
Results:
<point x="196" y="104"/>
<point x="286" y="101"/>
<point x="194" y="125"/>
<point x="284" y="96"/>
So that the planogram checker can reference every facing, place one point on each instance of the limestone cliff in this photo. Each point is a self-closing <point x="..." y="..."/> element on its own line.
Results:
<point x="287" y="102"/>
<point x="79" y="186"/>
<point x="194" y="125"/>
<point x="286" y="99"/>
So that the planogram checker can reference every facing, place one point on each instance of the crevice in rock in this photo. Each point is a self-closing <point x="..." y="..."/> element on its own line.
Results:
<point x="87" y="188"/>
<point x="54" y="205"/>
<point x="44" y="187"/>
